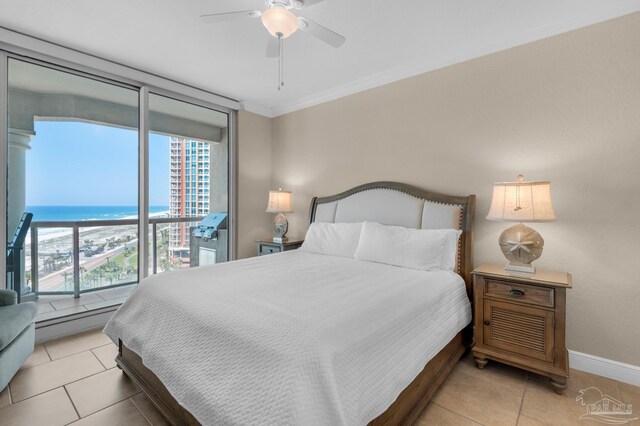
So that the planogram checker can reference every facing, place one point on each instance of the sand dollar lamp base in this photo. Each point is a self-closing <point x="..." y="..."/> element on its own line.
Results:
<point x="521" y="245"/>
<point x="280" y="228"/>
<point x="279" y="202"/>
<point x="521" y="202"/>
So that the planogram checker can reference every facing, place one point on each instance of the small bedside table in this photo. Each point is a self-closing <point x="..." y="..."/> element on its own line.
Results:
<point x="268" y="246"/>
<point x="519" y="320"/>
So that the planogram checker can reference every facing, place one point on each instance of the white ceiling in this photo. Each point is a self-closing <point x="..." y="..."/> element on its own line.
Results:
<point x="386" y="40"/>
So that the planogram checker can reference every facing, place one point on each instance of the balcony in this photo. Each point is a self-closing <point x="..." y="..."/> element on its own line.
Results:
<point x="66" y="260"/>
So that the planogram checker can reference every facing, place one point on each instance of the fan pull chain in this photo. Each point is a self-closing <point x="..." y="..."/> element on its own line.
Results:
<point x="280" y="61"/>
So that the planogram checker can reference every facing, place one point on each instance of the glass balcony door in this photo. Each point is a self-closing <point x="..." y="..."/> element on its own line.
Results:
<point x="188" y="179"/>
<point x="72" y="163"/>
<point x="116" y="177"/>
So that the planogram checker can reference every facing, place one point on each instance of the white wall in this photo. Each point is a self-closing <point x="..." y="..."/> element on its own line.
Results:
<point x="254" y="181"/>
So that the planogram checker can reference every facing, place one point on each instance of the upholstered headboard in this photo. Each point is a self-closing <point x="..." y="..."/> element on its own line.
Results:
<point x="392" y="203"/>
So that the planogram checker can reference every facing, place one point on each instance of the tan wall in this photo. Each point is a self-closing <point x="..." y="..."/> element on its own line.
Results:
<point x="565" y="109"/>
<point x="254" y="181"/>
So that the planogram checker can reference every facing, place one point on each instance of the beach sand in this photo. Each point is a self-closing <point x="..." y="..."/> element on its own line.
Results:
<point x="58" y="242"/>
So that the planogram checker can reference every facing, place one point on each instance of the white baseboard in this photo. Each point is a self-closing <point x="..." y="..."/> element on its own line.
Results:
<point x="620" y="371"/>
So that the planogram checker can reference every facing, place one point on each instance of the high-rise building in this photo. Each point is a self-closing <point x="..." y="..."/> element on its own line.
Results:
<point x="190" y="186"/>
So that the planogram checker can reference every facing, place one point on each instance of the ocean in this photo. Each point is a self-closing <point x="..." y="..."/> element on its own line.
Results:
<point x="67" y="213"/>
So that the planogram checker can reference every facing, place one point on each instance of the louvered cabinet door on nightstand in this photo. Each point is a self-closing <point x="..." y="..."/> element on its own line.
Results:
<point x="519" y="319"/>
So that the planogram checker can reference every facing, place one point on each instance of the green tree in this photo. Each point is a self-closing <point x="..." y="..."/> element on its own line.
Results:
<point x="111" y="242"/>
<point x="165" y="264"/>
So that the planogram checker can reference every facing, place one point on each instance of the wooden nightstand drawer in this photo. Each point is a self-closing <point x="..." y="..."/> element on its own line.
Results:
<point x="540" y="296"/>
<point x="264" y="249"/>
<point x="268" y="246"/>
<point x="519" y="329"/>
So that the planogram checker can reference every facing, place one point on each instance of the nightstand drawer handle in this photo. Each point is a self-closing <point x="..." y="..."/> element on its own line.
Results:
<point x="487" y="322"/>
<point x="516" y="293"/>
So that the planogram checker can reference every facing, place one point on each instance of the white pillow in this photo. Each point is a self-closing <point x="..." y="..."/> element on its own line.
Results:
<point x="450" y="251"/>
<point x="395" y="245"/>
<point x="336" y="239"/>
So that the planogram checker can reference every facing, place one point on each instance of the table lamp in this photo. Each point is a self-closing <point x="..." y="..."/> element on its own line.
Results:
<point x="279" y="202"/>
<point x="521" y="202"/>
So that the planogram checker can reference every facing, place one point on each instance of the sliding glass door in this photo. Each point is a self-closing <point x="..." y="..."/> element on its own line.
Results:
<point x="72" y="165"/>
<point x="80" y="150"/>
<point x="188" y="180"/>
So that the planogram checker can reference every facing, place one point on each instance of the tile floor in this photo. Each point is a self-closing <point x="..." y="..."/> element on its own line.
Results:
<point x="75" y="381"/>
<point x="50" y="307"/>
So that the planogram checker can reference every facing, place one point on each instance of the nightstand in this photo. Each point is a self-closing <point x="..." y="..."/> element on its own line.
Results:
<point x="268" y="246"/>
<point x="519" y="320"/>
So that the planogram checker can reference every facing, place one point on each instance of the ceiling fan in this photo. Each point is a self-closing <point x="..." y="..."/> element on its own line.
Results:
<point x="281" y="22"/>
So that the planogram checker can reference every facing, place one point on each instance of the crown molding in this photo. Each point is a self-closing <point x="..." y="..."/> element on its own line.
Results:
<point x="256" y="109"/>
<point x="607" y="11"/>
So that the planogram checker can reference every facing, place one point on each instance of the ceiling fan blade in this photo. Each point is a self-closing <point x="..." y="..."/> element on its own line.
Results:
<point x="230" y="16"/>
<point x="323" y="33"/>
<point x="299" y="4"/>
<point x="273" y="47"/>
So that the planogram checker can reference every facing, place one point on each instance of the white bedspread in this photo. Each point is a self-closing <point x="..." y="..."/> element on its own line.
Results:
<point x="292" y="338"/>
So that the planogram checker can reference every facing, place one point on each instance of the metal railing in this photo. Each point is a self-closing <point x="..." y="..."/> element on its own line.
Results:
<point x="75" y="226"/>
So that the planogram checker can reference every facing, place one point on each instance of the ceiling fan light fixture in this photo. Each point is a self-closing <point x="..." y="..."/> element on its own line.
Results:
<point x="278" y="20"/>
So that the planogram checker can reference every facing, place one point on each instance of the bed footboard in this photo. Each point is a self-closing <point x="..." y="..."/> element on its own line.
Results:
<point x="404" y="411"/>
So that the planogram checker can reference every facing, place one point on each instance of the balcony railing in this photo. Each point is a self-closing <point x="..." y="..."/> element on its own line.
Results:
<point x="60" y="264"/>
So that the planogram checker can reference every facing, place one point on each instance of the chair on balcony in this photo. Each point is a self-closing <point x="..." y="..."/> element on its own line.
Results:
<point x="17" y="334"/>
<point x="14" y="253"/>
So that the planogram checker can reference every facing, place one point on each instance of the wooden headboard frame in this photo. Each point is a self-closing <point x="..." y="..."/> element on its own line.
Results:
<point x="467" y="205"/>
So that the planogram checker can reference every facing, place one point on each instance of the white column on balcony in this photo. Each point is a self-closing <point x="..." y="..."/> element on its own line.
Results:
<point x="19" y="144"/>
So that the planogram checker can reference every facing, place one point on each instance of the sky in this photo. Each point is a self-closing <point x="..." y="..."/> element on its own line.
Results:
<point x="80" y="164"/>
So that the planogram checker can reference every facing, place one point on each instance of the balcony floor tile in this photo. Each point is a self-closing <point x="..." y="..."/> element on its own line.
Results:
<point x="60" y="313"/>
<point x="116" y="293"/>
<point x="53" y="306"/>
<point x="46" y="307"/>
<point x="71" y="302"/>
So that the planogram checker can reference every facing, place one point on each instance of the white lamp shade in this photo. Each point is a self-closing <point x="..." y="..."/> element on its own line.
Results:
<point x="522" y="202"/>
<point x="278" y="20"/>
<point x="279" y="202"/>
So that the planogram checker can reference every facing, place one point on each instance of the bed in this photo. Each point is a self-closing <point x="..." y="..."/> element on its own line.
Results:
<point x="314" y="334"/>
